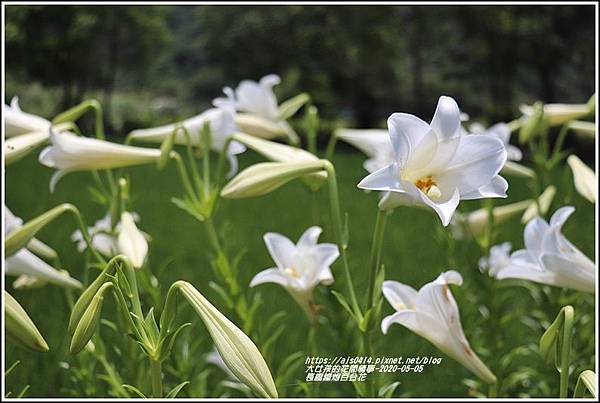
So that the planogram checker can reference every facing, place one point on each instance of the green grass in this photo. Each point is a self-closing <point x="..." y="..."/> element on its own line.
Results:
<point x="417" y="248"/>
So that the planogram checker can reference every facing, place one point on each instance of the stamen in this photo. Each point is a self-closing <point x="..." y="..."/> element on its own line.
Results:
<point x="292" y="272"/>
<point x="428" y="186"/>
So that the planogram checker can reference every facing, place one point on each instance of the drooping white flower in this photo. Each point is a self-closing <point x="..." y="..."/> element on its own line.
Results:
<point x="498" y="259"/>
<point x="70" y="153"/>
<point x="375" y="143"/>
<point x="584" y="178"/>
<point x="549" y="258"/>
<point x="131" y="241"/>
<point x="500" y="131"/>
<point x="222" y="126"/>
<point x="126" y="239"/>
<point x="436" y="166"/>
<point x="301" y="267"/>
<point x="17" y="122"/>
<point x="433" y="314"/>
<point x="25" y="263"/>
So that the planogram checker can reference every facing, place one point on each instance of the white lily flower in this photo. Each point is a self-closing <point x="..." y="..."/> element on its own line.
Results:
<point x="301" y="267"/>
<point x="131" y="241"/>
<point x="125" y="239"/>
<point x="500" y="131"/>
<point x="258" y="97"/>
<point x="17" y="122"/>
<point x="549" y="258"/>
<point x="498" y="259"/>
<point x="26" y="263"/>
<point x="584" y="178"/>
<point x="436" y="166"/>
<point x="258" y="108"/>
<point x="70" y="153"/>
<point x="433" y="314"/>
<point x="558" y="114"/>
<point x="222" y="126"/>
<point x="375" y="143"/>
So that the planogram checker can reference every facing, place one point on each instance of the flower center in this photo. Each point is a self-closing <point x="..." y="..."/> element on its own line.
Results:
<point x="428" y="186"/>
<point x="292" y="272"/>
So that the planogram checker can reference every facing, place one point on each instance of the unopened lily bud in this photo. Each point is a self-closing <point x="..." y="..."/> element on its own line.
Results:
<point x="512" y="168"/>
<point x="586" y="129"/>
<point x="558" y="114"/>
<point x="132" y="242"/>
<point x="89" y="321"/>
<point x="259" y="126"/>
<point x="20" y="328"/>
<point x="262" y="178"/>
<point x="541" y="207"/>
<point x="86" y="296"/>
<point x="274" y="151"/>
<point x="288" y="108"/>
<point x="20" y="237"/>
<point x="238" y="351"/>
<point x="584" y="178"/>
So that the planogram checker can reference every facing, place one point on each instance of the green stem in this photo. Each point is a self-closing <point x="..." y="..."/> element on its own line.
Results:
<point x="553" y="159"/>
<point x="213" y="238"/>
<point x="184" y="177"/>
<point x="339" y="233"/>
<point x="222" y="160"/>
<point x="493" y="390"/>
<point x="86" y="236"/>
<point x="155" y="369"/>
<point x="375" y="261"/>
<point x="331" y="147"/>
<point x="192" y="160"/>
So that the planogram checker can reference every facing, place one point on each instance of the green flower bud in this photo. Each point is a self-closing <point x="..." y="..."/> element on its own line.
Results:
<point x="20" y="328"/>
<point x="262" y="178"/>
<point x="89" y="321"/>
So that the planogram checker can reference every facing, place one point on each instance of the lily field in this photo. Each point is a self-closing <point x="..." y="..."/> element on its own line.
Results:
<point x="394" y="201"/>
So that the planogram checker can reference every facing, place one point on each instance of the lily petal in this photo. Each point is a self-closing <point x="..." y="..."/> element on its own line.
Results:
<point x="282" y="250"/>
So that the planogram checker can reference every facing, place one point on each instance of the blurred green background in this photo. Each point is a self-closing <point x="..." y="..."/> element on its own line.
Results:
<point x="359" y="63"/>
<point x="150" y="65"/>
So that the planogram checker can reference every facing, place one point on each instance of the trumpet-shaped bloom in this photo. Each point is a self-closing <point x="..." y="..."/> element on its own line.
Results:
<point x="498" y="259"/>
<point x="432" y="313"/>
<point x="25" y="263"/>
<point x="222" y="125"/>
<point x="584" y="178"/>
<point x="500" y="131"/>
<point x="375" y="143"/>
<point x="126" y="239"/>
<point x="17" y="122"/>
<point x="549" y="258"/>
<point x="70" y="153"/>
<point x="301" y="267"/>
<point x="436" y="165"/>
